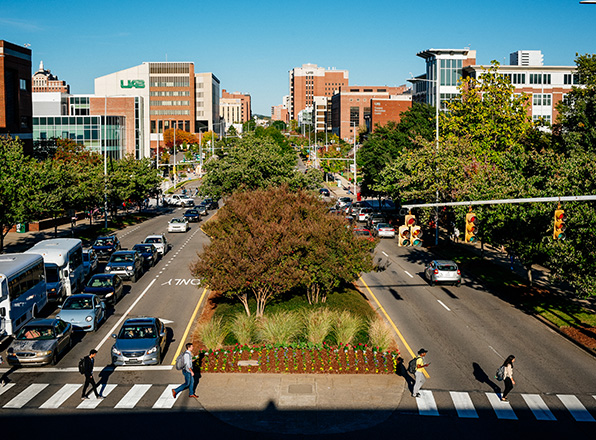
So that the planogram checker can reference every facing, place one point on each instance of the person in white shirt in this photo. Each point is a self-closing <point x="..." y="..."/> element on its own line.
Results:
<point x="508" y="378"/>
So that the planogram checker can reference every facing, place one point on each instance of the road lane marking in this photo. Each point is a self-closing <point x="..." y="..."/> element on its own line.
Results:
<point x="538" y="407"/>
<point x="441" y="302"/>
<point x="96" y="369"/>
<point x="393" y="325"/>
<point x="463" y="405"/>
<point x="113" y="330"/>
<point x="576" y="408"/>
<point x="192" y="318"/>
<point x="131" y="398"/>
<point x="166" y="400"/>
<point x="426" y="404"/>
<point x="61" y="396"/>
<point x="409" y="274"/>
<point x="502" y="409"/>
<point x="25" y="396"/>
<point x="384" y="253"/>
<point x="93" y="402"/>
<point x="6" y="387"/>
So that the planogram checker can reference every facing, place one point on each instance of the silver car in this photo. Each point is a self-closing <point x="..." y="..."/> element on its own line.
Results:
<point x="443" y="271"/>
<point x="178" y="224"/>
<point x="140" y="341"/>
<point x="39" y="342"/>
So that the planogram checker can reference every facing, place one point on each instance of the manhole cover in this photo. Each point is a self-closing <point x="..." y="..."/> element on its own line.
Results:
<point x="300" y="389"/>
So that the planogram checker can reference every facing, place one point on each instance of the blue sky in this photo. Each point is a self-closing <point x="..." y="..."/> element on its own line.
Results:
<point x="251" y="46"/>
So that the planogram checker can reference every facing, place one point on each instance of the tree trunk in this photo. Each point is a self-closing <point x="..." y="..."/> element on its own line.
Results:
<point x="262" y="295"/>
<point x="244" y="300"/>
<point x="529" y="270"/>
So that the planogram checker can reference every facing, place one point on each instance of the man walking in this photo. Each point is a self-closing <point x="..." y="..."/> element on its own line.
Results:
<point x="187" y="371"/>
<point x="420" y="379"/>
<point x="88" y="363"/>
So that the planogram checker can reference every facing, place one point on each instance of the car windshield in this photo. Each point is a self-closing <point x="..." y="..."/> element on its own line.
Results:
<point x="52" y="274"/>
<point x="362" y="232"/>
<point x="153" y="240"/>
<point x="77" y="303"/>
<point x="191" y="212"/>
<point x="177" y="220"/>
<point x="142" y="247"/>
<point x="137" y="332"/>
<point x="104" y="242"/>
<point x="447" y="267"/>
<point x="384" y="225"/>
<point x="36" y="333"/>
<point x="122" y="258"/>
<point x="100" y="282"/>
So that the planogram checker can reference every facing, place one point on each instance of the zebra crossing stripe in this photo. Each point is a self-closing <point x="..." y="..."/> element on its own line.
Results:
<point x="502" y="409"/>
<point x="25" y="396"/>
<point x="6" y="387"/>
<point x="426" y="404"/>
<point x="463" y="405"/>
<point x="92" y="402"/>
<point x="575" y="407"/>
<point x="61" y="396"/>
<point x="133" y="396"/>
<point x="166" y="400"/>
<point x="538" y="407"/>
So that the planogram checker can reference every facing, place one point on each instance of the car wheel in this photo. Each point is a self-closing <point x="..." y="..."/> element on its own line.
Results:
<point x="55" y="358"/>
<point x="458" y="284"/>
<point x="134" y="277"/>
<point x="431" y="282"/>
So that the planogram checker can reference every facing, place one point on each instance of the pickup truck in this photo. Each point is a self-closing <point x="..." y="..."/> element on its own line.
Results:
<point x="179" y="200"/>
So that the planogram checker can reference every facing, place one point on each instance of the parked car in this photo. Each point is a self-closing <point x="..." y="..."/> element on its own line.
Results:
<point x="160" y="242"/>
<point x="127" y="264"/>
<point x="178" y="224"/>
<point x="443" y="271"/>
<point x="90" y="262"/>
<point x="384" y="230"/>
<point x="39" y="342"/>
<point x="107" y="286"/>
<point x="148" y="252"/>
<point x="364" y="214"/>
<point x="84" y="311"/>
<point x="140" y="341"/>
<point x="105" y="246"/>
<point x="192" y="215"/>
<point x="363" y="233"/>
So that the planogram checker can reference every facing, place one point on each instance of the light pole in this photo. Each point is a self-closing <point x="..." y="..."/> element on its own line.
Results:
<point x="354" y="134"/>
<point x="105" y="162"/>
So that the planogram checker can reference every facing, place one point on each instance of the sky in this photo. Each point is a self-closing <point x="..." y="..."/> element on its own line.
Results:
<point x="252" y="46"/>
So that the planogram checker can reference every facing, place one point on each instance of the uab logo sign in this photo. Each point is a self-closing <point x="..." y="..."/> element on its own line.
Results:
<point x="136" y="83"/>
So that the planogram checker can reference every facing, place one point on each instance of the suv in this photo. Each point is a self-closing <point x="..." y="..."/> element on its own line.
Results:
<point x="105" y="246"/>
<point x="443" y="271"/>
<point x="127" y="264"/>
<point x="179" y="200"/>
<point x="140" y="341"/>
<point x="160" y="242"/>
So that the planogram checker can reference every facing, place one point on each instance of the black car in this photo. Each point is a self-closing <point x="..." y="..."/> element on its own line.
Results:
<point x="107" y="286"/>
<point x="202" y="210"/>
<point x="192" y="215"/>
<point x="324" y="192"/>
<point x="105" y="246"/>
<point x="210" y="203"/>
<point x="149" y="253"/>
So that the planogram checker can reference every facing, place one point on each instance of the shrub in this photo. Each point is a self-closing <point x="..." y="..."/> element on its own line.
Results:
<point x="346" y="327"/>
<point x="213" y="333"/>
<point x="243" y="328"/>
<point x="279" y="328"/>
<point x="379" y="334"/>
<point x="318" y="324"/>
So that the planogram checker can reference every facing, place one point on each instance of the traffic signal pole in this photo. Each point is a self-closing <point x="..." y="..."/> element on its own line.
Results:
<point x="502" y="201"/>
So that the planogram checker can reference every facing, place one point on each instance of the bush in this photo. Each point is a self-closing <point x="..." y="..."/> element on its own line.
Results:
<point x="318" y="324"/>
<point x="279" y="328"/>
<point x="346" y="327"/>
<point x="213" y="333"/>
<point x="379" y="334"/>
<point x="243" y="328"/>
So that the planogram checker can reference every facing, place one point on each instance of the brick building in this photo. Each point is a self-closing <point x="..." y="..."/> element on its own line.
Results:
<point x="245" y="104"/>
<point x="44" y="81"/>
<point x="389" y="109"/>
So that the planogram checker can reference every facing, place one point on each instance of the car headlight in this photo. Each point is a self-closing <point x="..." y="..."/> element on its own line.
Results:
<point x="46" y="353"/>
<point x="108" y="268"/>
<point x="128" y="267"/>
<point x="153" y="350"/>
<point x="109" y="294"/>
<point x="89" y="318"/>
<point x="116" y="351"/>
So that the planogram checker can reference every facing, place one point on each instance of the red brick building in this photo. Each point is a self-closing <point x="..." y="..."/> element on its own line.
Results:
<point x="385" y="110"/>
<point x="246" y="113"/>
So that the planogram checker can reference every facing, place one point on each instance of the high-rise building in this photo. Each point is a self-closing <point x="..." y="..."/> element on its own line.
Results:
<point x="44" y="81"/>
<point x="309" y="81"/>
<point x="16" y="109"/>
<point x="245" y="102"/>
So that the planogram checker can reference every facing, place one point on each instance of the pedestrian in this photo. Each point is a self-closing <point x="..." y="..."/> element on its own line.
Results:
<point x="187" y="371"/>
<point x="456" y="234"/>
<point x="88" y="363"/>
<point x="420" y="379"/>
<point x="508" y="377"/>
<point x="401" y="370"/>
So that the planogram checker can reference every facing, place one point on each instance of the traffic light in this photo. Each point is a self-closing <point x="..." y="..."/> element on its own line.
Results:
<point x="471" y="228"/>
<point x="404" y="236"/>
<point x="416" y="233"/>
<point x="559" y="225"/>
<point x="410" y="220"/>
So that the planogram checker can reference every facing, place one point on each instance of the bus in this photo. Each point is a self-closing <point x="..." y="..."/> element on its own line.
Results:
<point x="22" y="291"/>
<point x="63" y="259"/>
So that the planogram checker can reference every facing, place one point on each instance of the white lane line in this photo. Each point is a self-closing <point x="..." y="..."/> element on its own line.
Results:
<point x="166" y="400"/>
<point x="76" y="370"/>
<point x="463" y="405"/>
<point x="113" y="330"/>
<point x="496" y="352"/>
<point x="409" y="274"/>
<point x="384" y="253"/>
<point x="538" y="407"/>
<point x="92" y="402"/>
<point x="426" y="404"/>
<point x="6" y="387"/>
<point x="25" y="396"/>
<point x="133" y="396"/>
<point x="441" y="302"/>
<point x="502" y="409"/>
<point x="61" y="395"/>
<point x="576" y="408"/>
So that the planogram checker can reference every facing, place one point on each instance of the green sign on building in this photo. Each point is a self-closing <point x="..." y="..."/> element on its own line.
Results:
<point x="136" y="83"/>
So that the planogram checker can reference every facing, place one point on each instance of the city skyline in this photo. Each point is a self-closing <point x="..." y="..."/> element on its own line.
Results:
<point x="252" y="49"/>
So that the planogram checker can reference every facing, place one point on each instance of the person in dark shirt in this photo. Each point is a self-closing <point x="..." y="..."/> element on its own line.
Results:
<point x="89" y="362"/>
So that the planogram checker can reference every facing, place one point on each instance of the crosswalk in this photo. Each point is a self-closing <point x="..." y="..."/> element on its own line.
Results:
<point x="120" y="397"/>
<point x="464" y="406"/>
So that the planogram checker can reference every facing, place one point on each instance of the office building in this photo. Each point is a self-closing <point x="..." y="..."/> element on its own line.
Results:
<point x="44" y="81"/>
<point x="230" y="109"/>
<point x="245" y="109"/>
<point x="385" y="110"/>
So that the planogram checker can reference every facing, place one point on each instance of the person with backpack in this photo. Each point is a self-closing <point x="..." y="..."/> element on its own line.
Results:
<point x="86" y="365"/>
<point x="508" y="376"/>
<point x="184" y="363"/>
<point x="418" y="365"/>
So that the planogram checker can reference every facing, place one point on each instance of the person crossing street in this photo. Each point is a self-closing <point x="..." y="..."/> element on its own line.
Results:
<point x="188" y="373"/>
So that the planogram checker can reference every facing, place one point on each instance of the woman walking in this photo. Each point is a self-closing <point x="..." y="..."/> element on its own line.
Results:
<point x="508" y="377"/>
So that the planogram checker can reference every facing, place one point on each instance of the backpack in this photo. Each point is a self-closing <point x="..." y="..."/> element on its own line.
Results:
<point x="412" y="366"/>
<point x="500" y="374"/>
<point x="180" y="362"/>
<point x="82" y="366"/>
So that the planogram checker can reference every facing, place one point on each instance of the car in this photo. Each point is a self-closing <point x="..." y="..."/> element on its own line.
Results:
<point x="39" y="342"/>
<point x="363" y="214"/>
<point x="127" y="264"/>
<point x="192" y="215"/>
<point x="160" y="242"/>
<point x="179" y="200"/>
<point x="324" y="192"/>
<point x="105" y="246"/>
<point x="178" y="224"/>
<point x="443" y="271"/>
<point x="148" y="252"/>
<point x="140" y="341"/>
<point x="384" y="230"/>
<point x="84" y="311"/>
<point x="202" y="210"/>
<point x="210" y="203"/>
<point x="375" y="218"/>
<point x="343" y="201"/>
<point x="107" y="286"/>
<point x="90" y="262"/>
<point x="363" y="233"/>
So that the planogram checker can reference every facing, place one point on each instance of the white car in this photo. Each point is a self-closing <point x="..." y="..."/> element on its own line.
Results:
<point x="178" y="224"/>
<point x="384" y="230"/>
<point x="363" y="214"/>
<point x="179" y="200"/>
<point x="160" y="242"/>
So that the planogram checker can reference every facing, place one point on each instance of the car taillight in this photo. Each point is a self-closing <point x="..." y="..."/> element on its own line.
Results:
<point x="436" y="271"/>
<point x="458" y="272"/>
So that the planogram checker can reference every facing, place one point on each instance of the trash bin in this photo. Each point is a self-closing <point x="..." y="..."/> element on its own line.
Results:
<point x="21" y="227"/>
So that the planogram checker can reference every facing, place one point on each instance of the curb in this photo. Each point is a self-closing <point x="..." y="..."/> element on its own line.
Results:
<point x="549" y="324"/>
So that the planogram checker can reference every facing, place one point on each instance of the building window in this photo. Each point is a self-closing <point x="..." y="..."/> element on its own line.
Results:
<point x="23" y="84"/>
<point x="542" y="99"/>
<point x="355" y="115"/>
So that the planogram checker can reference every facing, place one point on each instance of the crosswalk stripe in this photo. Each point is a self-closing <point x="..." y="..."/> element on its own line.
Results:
<point x="92" y="402"/>
<point x="538" y="407"/>
<point x="426" y="404"/>
<point x="166" y="400"/>
<point x="6" y="387"/>
<point x="26" y="395"/>
<point x="60" y="397"/>
<point x="133" y="396"/>
<point x="463" y="405"/>
<point x="502" y="409"/>
<point x="575" y="407"/>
